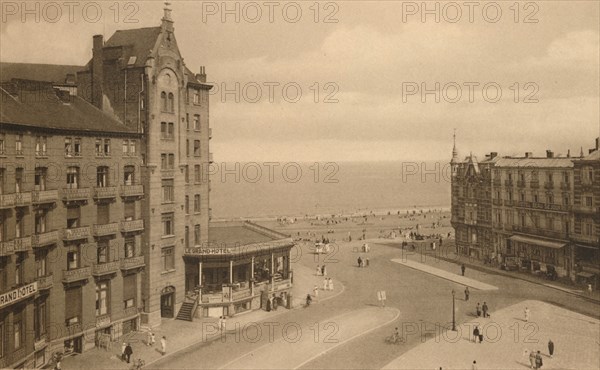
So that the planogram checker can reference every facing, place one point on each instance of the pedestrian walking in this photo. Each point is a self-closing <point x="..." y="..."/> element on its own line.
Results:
<point x="462" y="269"/>
<point x="367" y="260"/>
<point x="330" y="284"/>
<point x="318" y="270"/>
<point x="163" y="345"/>
<point x="325" y="284"/>
<point x="128" y="352"/>
<point x="316" y="291"/>
<point x="474" y="365"/>
<point x="526" y="314"/>
<point x="532" y="359"/>
<point x="538" y="360"/>
<point x="123" y="346"/>
<point x="478" y="309"/>
<point x="475" y="334"/>
<point x="589" y="288"/>
<point x="224" y="323"/>
<point x="152" y="338"/>
<point x="484" y="308"/>
<point x="467" y="293"/>
<point x="324" y="270"/>
<point x="550" y="348"/>
<point x="359" y="262"/>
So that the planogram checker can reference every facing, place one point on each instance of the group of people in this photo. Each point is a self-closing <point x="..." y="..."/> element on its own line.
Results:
<point x="327" y="284"/>
<point x="481" y="310"/>
<point x="321" y="270"/>
<point x="363" y="262"/>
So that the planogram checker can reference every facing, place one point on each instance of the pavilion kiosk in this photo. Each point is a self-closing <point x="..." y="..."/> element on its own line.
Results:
<point x="245" y="267"/>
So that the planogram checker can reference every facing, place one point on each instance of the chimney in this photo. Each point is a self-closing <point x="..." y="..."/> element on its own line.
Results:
<point x="493" y="155"/>
<point x="569" y="153"/>
<point x="549" y="154"/>
<point x="97" y="71"/>
<point x="528" y="154"/>
<point x="167" y="21"/>
<point x="202" y="75"/>
<point x="598" y="143"/>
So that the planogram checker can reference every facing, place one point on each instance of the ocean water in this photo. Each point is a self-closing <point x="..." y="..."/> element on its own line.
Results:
<point x="258" y="189"/>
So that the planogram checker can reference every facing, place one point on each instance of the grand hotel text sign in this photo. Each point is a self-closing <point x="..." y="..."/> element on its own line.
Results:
<point x="18" y="294"/>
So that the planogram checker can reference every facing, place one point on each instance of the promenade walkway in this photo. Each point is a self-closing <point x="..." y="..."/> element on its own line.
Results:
<point x="471" y="283"/>
<point x="303" y="344"/>
<point x="508" y="340"/>
<point x="182" y="335"/>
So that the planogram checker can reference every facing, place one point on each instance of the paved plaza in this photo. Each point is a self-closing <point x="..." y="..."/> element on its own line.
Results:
<point x="508" y="338"/>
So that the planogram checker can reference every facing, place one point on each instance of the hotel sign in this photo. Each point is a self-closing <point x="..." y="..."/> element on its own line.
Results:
<point x="18" y="294"/>
<point x="207" y="251"/>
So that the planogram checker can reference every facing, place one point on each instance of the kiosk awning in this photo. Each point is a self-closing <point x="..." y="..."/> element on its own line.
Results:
<point x="536" y="241"/>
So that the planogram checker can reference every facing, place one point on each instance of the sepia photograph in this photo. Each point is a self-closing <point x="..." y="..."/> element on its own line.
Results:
<point x="304" y="184"/>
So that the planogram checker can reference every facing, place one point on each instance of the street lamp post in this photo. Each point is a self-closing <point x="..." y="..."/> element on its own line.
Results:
<point x="453" y="311"/>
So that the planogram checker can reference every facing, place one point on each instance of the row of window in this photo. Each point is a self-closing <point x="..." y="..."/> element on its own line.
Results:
<point x="73" y="146"/>
<point x="587" y="176"/>
<point x="73" y="177"/>
<point x="18" y="327"/>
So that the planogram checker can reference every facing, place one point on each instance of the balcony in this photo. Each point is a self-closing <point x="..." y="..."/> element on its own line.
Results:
<point x="132" y="226"/>
<point x="72" y="276"/>
<point x="7" y="248"/>
<point x="105" y="268"/>
<point x="106" y="229"/>
<point x="534" y="184"/>
<point x="74" y="329"/>
<point x="565" y="186"/>
<point x="109" y="192"/>
<point x="130" y="312"/>
<point x="586" y="209"/>
<point x="44" y="196"/>
<point x="74" y="195"/>
<point x="591" y="239"/>
<point x="549" y="185"/>
<point x="132" y="263"/>
<point x="508" y="183"/>
<point x="23" y="244"/>
<point x="22" y="199"/>
<point x="7" y="200"/>
<point x="44" y="282"/>
<point x="132" y="190"/>
<point x="42" y="240"/>
<point x="76" y="233"/>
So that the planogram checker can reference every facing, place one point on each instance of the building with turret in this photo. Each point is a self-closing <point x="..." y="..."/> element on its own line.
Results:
<point x="538" y="214"/>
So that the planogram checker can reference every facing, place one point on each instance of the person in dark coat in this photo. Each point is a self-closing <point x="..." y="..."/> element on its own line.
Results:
<point x="462" y="269"/>
<point x="484" y="308"/>
<point x="475" y="334"/>
<point x="551" y="347"/>
<point x="128" y="352"/>
<point x="467" y="293"/>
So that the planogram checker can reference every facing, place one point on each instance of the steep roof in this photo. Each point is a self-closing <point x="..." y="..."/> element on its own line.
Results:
<point x="37" y="105"/>
<point x="557" y="162"/>
<point x="136" y="42"/>
<point x="39" y="72"/>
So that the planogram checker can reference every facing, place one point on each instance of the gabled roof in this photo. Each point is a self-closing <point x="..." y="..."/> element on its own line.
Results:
<point x="39" y="72"/>
<point x="37" y="105"/>
<point x="137" y="43"/>
<point x="593" y="156"/>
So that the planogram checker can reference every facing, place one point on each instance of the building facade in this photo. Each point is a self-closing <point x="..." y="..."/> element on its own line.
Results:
<point x="70" y="225"/>
<point x="139" y="76"/>
<point x="538" y="214"/>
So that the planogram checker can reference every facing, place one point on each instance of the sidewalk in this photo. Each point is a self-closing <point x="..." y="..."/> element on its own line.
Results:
<point x="447" y="253"/>
<point x="445" y="274"/>
<point x="508" y="340"/>
<point x="184" y="334"/>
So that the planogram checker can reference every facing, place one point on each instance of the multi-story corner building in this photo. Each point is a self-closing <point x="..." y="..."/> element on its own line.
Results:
<point x="70" y="224"/>
<point x="534" y="213"/>
<point x="139" y="77"/>
<point x="586" y="213"/>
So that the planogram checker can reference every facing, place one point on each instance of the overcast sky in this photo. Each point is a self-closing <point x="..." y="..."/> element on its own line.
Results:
<point x="364" y="58"/>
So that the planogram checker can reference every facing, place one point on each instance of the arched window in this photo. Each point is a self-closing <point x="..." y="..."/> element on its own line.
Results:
<point x="171" y="103"/>
<point x="163" y="100"/>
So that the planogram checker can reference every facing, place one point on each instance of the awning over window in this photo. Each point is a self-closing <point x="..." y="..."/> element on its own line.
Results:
<point x="585" y="274"/>
<point x="536" y="241"/>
